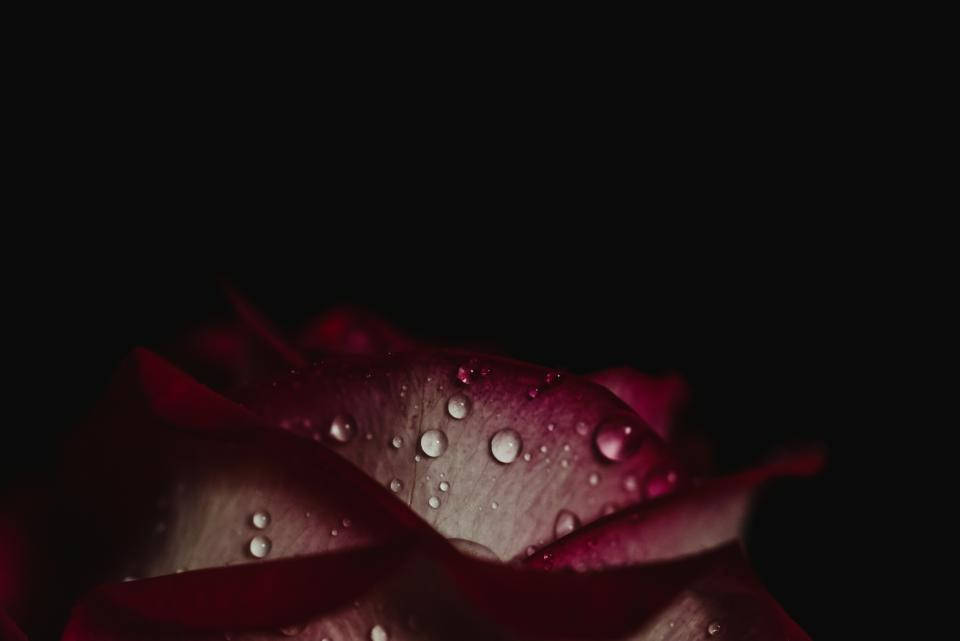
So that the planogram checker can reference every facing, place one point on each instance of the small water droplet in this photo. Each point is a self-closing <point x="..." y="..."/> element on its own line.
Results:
<point x="564" y="463"/>
<point x="609" y="508"/>
<point x="291" y="630"/>
<point x="505" y="445"/>
<point x="566" y="447"/>
<point x="474" y="549"/>
<point x="334" y="533"/>
<point x="458" y="406"/>
<point x="630" y="483"/>
<point x="494" y="505"/>
<point x="397" y="442"/>
<point x="434" y="502"/>
<point x="533" y="392"/>
<point x="260" y="519"/>
<point x="594" y="478"/>
<point x="543" y="449"/>
<point x="444" y="486"/>
<point x="346" y="523"/>
<point x="377" y="633"/>
<point x="658" y="483"/>
<point x="416" y="458"/>
<point x="342" y="429"/>
<point x="368" y="436"/>
<point x="468" y="372"/>
<point x="396" y="485"/>
<point x="260" y="546"/>
<point x="531" y="550"/>
<point x="714" y="628"/>
<point x="566" y="523"/>
<point x="551" y="427"/>
<point x="129" y="578"/>
<point x="433" y="443"/>
<point x="582" y="428"/>
<point x="619" y="437"/>
<point x="552" y="378"/>
<point x="527" y="456"/>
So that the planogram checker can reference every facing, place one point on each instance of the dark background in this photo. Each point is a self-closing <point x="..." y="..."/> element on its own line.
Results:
<point x="760" y="345"/>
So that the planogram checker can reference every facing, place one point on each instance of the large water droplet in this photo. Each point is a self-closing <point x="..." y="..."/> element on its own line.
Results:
<point x="260" y="546"/>
<point x="433" y="502"/>
<point x="342" y="429"/>
<point x="474" y="549"/>
<point x="458" y="406"/>
<point x="433" y="443"/>
<point x="506" y="445"/>
<point x="377" y="633"/>
<point x="444" y="486"/>
<point x="260" y="519"/>
<point x="714" y="628"/>
<point x="396" y="485"/>
<point x="619" y="437"/>
<point x="397" y="442"/>
<point x="566" y="523"/>
<point x="659" y="482"/>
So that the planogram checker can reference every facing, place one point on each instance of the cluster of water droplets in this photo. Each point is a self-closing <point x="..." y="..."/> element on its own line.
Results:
<point x="260" y="545"/>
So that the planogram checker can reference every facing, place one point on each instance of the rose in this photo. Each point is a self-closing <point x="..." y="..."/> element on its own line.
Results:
<point x="279" y="500"/>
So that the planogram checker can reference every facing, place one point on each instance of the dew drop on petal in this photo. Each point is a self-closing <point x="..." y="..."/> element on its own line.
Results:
<point x="334" y="533"/>
<point x="594" y="478"/>
<point x="714" y="628"/>
<point x="433" y="443"/>
<point x="346" y="523"/>
<point x="630" y="483"/>
<point x="260" y="546"/>
<point x="582" y="428"/>
<point x="552" y="378"/>
<point x="434" y="502"/>
<point x="533" y="392"/>
<point x="619" y="437"/>
<point x="527" y="456"/>
<point x="342" y="429"/>
<point x="505" y="445"/>
<point x="659" y="483"/>
<point x="474" y="549"/>
<point x="397" y="442"/>
<point x="566" y="523"/>
<point x="444" y="486"/>
<point x="396" y="485"/>
<point x="377" y="633"/>
<point x="564" y="463"/>
<point x="531" y="550"/>
<point x="609" y="508"/>
<point x="291" y="630"/>
<point x="494" y="505"/>
<point x="416" y="458"/>
<point x="260" y="519"/>
<point x="458" y="406"/>
<point x="543" y="449"/>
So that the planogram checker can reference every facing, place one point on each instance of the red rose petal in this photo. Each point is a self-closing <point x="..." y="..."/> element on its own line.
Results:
<point x="703" y="517"/>
<point x="657" y="399"/>
<point x="263" y="328"/>
<point x="351" y="330"/>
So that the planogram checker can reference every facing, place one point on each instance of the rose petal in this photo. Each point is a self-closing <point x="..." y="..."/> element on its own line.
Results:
<point x="263" y="328"/>
<point x="657" y="399"/>
<point x="9" y="630"/>
<point x="701" y="518"/>
<point x="351" y="330"/>
<point x="393" y="402"/>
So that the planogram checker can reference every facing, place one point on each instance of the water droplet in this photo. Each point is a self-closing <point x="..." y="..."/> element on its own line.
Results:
<point x="551" y="427"/>
<point x="659" y="482"/>
<point x="291" y="630"/>
<point x="458" y="406"/>
<point x="416" y="458"/>
<point x="396" y="485"/>
<point x="433" y="443"/>
<point x="397" y="442"/>
<point x="129" y="578"/>
<point x="619" y="437"/>
<point x="494" y="505"/>
<point x="566" y="447"/>
<point x="260" y="519"/>
<point x="467" y="373"/>
<point x="594" y="478"/>
<point x="552" y="378"/>
<point x="543" y="449"/>
<point x="609" y="508"/>
<point x="527" y="456"/>
<point x="434" y="502"/>
<point x="630" y="483"/>
<point x="334" y="533"/>
<point x="533" y="392"/>
<point x="564" y="463"/>
<point x="566" y="523"/>
<point x="368" y="436"/>
<point x="444" y="486"/>
<point x="714" y="628"/>
<point x="506" y="445"/>
<point x="474" y="549"/>
<point x="260" y="546"/>
<point x="531" y="550"/>
<point x="346" y="523"/>
<point x="582" y="428"/>
<point x="377" y="633"/>
<point x="342" y="429"/>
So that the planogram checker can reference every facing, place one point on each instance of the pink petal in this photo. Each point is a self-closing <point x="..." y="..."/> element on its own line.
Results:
<point x="657" y="399"/>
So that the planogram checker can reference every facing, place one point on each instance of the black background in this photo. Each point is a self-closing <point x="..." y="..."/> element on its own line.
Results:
<point x="758" y="342"/>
